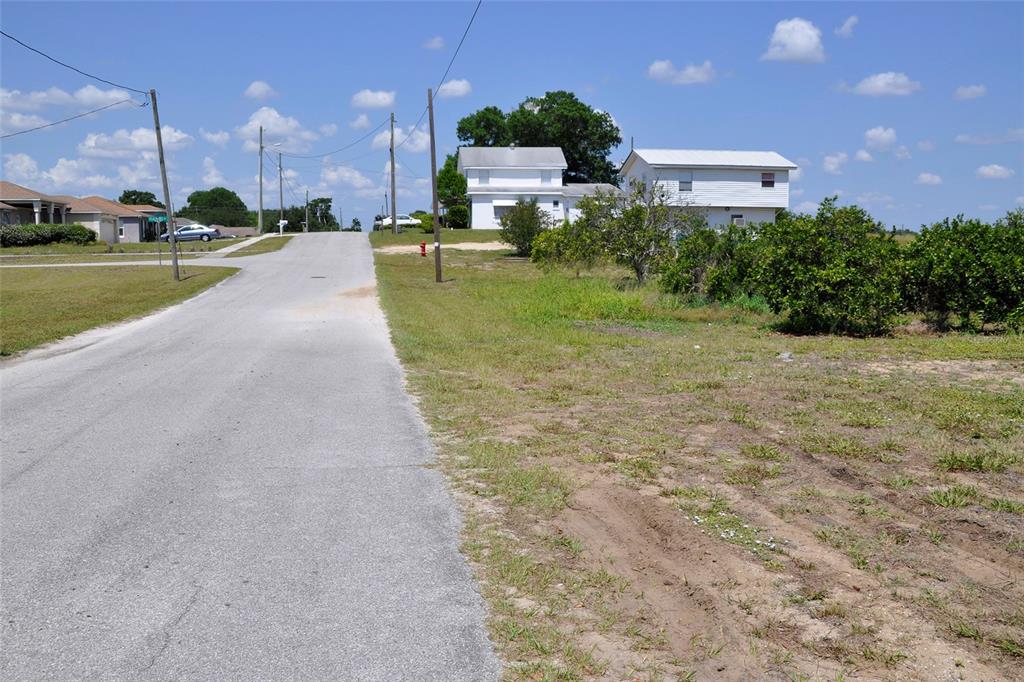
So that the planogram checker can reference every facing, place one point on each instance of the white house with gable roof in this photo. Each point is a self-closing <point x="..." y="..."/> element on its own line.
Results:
<point x="498" y="177"/>
<point x="732" y="186"/>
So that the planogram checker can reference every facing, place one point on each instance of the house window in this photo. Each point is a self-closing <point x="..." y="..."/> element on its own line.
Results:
<point x="555" y="203"/>
<point x="685" y="182"/>
<point x="120" y="231"/>
<point x="737" y="219"/>
<point x="485" y="177"/>
<point x="767" y="179"/>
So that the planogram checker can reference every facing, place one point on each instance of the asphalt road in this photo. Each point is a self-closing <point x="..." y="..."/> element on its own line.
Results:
<point x="234" y="488"/>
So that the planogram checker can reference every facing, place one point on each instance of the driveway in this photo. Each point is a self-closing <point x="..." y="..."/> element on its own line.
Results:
<point x="234" y="488"/>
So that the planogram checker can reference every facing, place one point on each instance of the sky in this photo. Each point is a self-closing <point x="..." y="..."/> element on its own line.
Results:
<point x="913" y="110"/>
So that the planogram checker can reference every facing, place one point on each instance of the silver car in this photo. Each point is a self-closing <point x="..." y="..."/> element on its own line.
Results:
<point x="191" y="233"/>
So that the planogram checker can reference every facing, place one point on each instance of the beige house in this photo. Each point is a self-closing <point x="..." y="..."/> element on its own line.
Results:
<point x="98" y="217"/>
<point x="28" y="206"/>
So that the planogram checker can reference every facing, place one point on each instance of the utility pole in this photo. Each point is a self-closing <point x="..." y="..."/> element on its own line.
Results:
<point x="259" y="214"/>
<point x="394" y="202"/>
<point x="433" y="186"/>
<point x="280" y="192"/>
<point x="167" y="189"/>
<point x="305" y="228"/>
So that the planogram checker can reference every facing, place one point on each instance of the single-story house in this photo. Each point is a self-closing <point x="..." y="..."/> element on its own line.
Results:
<point x="731" y="186"/>
<point x="99" y="218"/>
<point x="29" y="206"/>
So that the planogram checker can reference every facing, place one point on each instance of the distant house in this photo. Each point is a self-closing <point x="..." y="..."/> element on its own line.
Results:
<point x="96" y="216"/>
<point x="732" y="186"/>
<point x="498" y="177"/>
<point x="28" y="206"/>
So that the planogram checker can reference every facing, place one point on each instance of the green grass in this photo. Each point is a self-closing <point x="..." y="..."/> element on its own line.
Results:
<point x="537" y="384"/>
<point x="976" y="461"/>
<point x="266" y="245"/>
<point x="40" y="305"/>
<point x="123" y="247"/>
<point x="415" y="236"/>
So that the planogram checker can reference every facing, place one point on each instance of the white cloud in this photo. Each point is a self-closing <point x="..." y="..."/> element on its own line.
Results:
<point x="994" y="171"/>
<point x="802" y="163"/>
<point x="863" y="155"/>
<point x="344" y="175"/>
<point x="1013" y="135"/>
<point x="798" y="192"/>
<point x="928" y="179"/>
<point x="211" y="175"/>
<point x="373" y="99"/>
<point x="66" y="176"/>
<point x="807" y="207"/>
<point x="89" y="97"/>
<point x="902" y="153"/>
<point x="124" y="143"/>
<point x="435" y="43"/>
<point x="833" y="163"/>
<point x="259" y="90"/>
<point x="665" y="71"/>
<point x="458" y="87"/>
<point x="1020" y="200"/>
<point x="419" y="141"/>
<point x="328" y="129"/>
<point x="888" y="84"/>
<point x="359" y="122"/>
<point x="14" y="121"/>
<point x="870" y="199"/>
<point x="217" y="137"/>
<point x="926" y="146"/>
<point x="286" y="130"/>
<point x="846" y="30"/>
<point x="879" y="138"/>
<point x="988" y="207"/>
<point x="970" y="92"/>
<point x="795" y="40"/>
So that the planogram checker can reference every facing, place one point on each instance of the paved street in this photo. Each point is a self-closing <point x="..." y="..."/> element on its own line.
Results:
<point x="234" y="488"/>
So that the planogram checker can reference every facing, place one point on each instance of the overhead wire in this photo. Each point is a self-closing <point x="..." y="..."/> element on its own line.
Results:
<point x="72" y="118"/>
<point x="419" y="121"/>
<point x="339" y="149"/>
<point x="68" y="66"/>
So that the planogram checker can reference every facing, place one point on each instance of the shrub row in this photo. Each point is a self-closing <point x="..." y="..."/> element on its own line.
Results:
<point x="840" y="272"/>
<point x="31" y="235"/>
<point x="837" y="271"/>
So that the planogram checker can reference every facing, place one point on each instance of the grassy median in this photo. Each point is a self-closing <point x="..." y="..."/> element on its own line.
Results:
<point x="39" y="305"/>
<point x="197" y="246"/>
<point x="658" y="491"/>
<point x="415" y="236"/>
<point x="265" y="245"/>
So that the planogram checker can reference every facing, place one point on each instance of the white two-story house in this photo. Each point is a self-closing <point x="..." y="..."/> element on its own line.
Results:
<point x="498" y="177"/>
<point x="731" y="186"/>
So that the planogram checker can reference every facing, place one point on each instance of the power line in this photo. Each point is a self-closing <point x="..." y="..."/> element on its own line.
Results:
<point x="441" y="82"/>
<point x="339" y="149"/>
<point x="287" y="182"/>
<point x="68" y="66"/>
<point x="70" y="118"/>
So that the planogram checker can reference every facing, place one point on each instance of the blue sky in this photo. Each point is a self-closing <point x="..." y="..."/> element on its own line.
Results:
<point x="914" y="110"/>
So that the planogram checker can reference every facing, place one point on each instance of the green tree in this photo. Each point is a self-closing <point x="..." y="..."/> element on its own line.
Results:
<point x="321" y="218"/>
<point x="521" y="224"/>
<point x="216" y="206"/>
<point x="457" y="217"/>
<point x="357" y="224"/>
<point x="558" y="119"/>
<point x="837" y="271"/>
<point x="138" y="196"/>
<point x="485" y="128"/>
<point x="577" y="245"/>
<point x="451" y="184"/>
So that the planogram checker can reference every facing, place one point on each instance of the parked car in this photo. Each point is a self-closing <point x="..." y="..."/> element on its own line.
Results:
<point x="404" y="220"/>
<point x="190" y="233"/>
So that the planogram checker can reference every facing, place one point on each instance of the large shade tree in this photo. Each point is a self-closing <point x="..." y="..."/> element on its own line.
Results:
<point x="216" y="206"/>
<point x="558" y="119"/>
<point x="134" y="197"/>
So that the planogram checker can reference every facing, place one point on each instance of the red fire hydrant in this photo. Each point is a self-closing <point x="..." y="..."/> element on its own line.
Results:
<point x="423" y="249"/>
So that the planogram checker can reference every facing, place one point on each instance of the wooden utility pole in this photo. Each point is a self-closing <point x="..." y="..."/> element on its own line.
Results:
<point x="433" y="186"/>
<point x="394" y="201"/>
<point x="305" y="228"/>
<point x="167" y="190"/>
<point x="280" y="192"/>
<point x="259" y="213"/>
